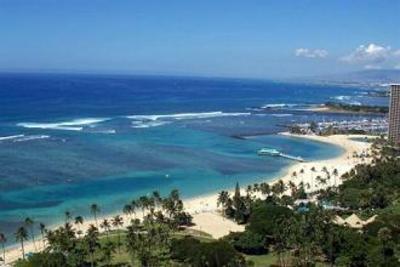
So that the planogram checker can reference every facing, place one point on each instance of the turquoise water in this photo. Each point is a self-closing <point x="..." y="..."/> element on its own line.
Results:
<point x="68" y="141"/>
<point x="196" y="163"/>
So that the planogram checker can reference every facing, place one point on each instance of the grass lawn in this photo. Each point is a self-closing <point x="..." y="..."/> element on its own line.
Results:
<point x="263" y="260"/>
<point x="124" y="258"/>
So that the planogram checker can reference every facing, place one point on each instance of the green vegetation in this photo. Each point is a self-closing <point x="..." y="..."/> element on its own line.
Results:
<point x="277" y="232"/>
<point x="355" y="108"/>
<point x="160" y="239"/>
<point x="309" y="237"/>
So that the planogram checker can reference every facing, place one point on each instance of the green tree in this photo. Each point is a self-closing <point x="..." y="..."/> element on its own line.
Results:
<point x="105" y="224"/>
<point x="117" y="222"/>
<point x="78" y="222"/>
<point x="127" y="210"/>
<point x="42" y="228"/>
<point x="222" y="200"/>
<point x="94" y="210"/>
<point x="3" y="241"/>
<point x="68" y="216"/>
<point x="29" y="223"/>
<point x="278" y="188"/>
<point x="92" y="242"/>
<point x="265" y="189"/>
<point x="21" y="235"/>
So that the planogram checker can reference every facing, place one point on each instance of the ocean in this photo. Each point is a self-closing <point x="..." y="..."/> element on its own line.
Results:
<point x="67" y="141"/>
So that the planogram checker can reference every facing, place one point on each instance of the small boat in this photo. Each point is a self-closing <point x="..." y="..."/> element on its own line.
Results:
<point x="268" y="151"/>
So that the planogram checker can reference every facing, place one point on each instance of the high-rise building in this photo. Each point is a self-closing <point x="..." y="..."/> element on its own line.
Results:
<point x="394" y="114"/>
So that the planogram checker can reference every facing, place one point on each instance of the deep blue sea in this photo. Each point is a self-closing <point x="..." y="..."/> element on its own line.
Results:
<point x="67" y="141"/>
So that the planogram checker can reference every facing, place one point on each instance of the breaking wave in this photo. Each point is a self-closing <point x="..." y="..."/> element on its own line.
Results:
<point x="341" y="97"/>
<point x="23" y="138"/>
<point x="186" y="116"/>
<point x="11" y="137"/>
<point x="282" y="115"/>
<point x="148" y="124"/>
<point x="74" y="125"/>
<point x="279" y="105"/>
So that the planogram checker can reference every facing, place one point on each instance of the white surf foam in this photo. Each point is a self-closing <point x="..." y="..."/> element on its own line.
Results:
<point x="279" y="105"/>
<point x="186" y="116"/>
<point x="31" y="137"/>
<point x="149" y="124"/>
<point x="11" y="137"/>
<point x="111" y="131"/>
<point x="74" y="125"/>
<point x="282" y="115"/>
<point x="341" y="97"/>
<point x="22" y="138"/>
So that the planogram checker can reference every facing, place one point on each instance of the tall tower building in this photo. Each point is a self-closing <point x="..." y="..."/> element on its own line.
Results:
<point x="394" y="114"/>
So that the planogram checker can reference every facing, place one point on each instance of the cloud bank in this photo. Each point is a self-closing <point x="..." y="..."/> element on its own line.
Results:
<point x="373" y="56"/>
<point x="311" y="53"/>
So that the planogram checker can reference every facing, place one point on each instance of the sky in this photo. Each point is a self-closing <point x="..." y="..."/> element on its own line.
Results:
<point x="233" y="38"/>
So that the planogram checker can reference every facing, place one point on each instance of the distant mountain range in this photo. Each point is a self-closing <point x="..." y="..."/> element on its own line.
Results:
<point x="366" y="78"/>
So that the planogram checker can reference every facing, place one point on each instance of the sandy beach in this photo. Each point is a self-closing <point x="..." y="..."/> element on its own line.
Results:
<point x="204" y="209"/>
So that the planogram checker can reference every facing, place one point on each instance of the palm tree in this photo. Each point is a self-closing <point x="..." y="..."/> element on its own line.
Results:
<point x="292" y="187"/>
<point x="222" y="200"/>
<point x="279" y="187"/>
<point x="117" y="222"/>
<point x="22" y="235"/>
<point x="106" y="226"/>
<point x="29" y="223"/>
<point x="78" y="221"/>
<point x="265" y="189"/>
<point x="127" y="210"/>
<point x="94" y="209"/>
<point x="134" y="205"/>
<point x="67" y="216"/>
<point x="256" y="187"/>
<point x="143" y="203"/>
<point x="42" y="228"/>
<point x="157" y="198"/>
<point x="3" y="240"/>
<point x="92" y="242"/>
<point x="174" y="195"/>
<point x="249" y="189"/>
<point x="335" y="174"/>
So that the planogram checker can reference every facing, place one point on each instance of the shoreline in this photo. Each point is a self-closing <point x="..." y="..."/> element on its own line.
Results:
<point x="204" y="208"/>
<point x="335" y="110"/>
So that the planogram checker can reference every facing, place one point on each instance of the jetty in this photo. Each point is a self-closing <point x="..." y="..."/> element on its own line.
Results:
<point x="277" y="153"/>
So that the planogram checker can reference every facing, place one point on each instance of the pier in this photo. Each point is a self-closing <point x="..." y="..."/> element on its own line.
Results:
<point x="276" y="153"/>
<point x="300" y="159"/>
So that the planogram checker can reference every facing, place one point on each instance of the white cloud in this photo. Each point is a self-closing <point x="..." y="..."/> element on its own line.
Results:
<point x="372" y="67"/>
<point x="311" y="53"/>
<point x="370" y="54"/>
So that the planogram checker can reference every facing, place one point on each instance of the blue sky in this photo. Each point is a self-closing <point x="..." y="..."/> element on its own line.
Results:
<point x="264" y="39"/>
